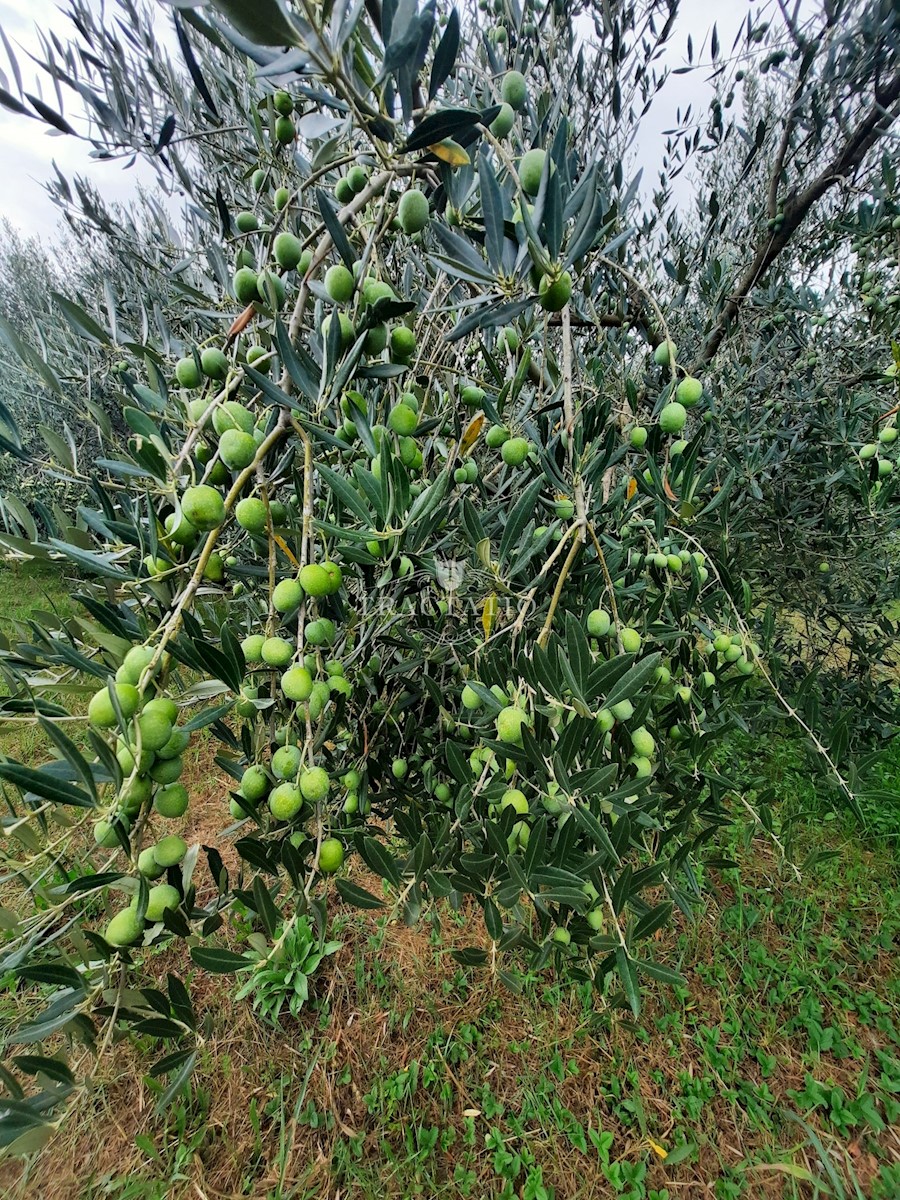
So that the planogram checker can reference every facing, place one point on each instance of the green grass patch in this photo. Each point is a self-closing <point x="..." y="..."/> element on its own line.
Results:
<point x="27" y="588"/>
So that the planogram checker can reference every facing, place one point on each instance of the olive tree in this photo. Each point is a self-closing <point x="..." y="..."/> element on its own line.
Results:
<point x="423" y="500"/>
<point x="806" y="376"/>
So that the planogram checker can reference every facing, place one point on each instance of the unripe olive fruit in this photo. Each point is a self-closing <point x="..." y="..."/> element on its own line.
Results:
<point x="504" y="121"/>
<point x="232" y="415"/>
<point x="516" y="800"/>
<point x="343" y="192"/>
<point x="287" y="595"/>
<point x="672" y="418"/>
<point x="642" y="742"/>
<point x="237" y="449"/>
<point x="664" y="353"/>
<point x="245" y="284"/>
<point x="270" y="289"/>
<point x="288" y="250"/>
<point x="339" y="283"/>
<point x="314" y="784"/>
<point x="159" y="899"/>
<point x="403" y="420"/>
<point x="254" y="783"/>
<point x="403" y="343"/>
<point x="331" y="856"/>
<point x="357" y="178"/>
<point x="346" y="327"/>
<point x="171" y="800"/>
<point x="203" y="506"/>
<point x="187" y="372"/>
<point x="514" y="451"/>
<point x="124" y="929"/>
<point x="170" y="850"/>
<point x="689" y="391"/>
<point x="598" y="623"/>
<point x="513" y="90"/>
<point x="100" y="709"/>
<point x="285" y="801"/>
<point x="277" y="651"/>
<point x="284" y="130"/>
<point x="246" y="222"/>
<point x="555" y="293"/>
<point x="531" y="167"/>
<point x="147" y="864"/>
<point x="297" y="684"/>
<point x="250" y="514"/>
<point x="631" y="640"/>
<point x="376" y="341"/>
<point x="509" y="723"/>
<point x="413" y="211"/>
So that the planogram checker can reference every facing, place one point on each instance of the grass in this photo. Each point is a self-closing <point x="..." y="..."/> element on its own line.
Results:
<point x="43" y="592"/>
<point x="774" y="1073"/>
<point x="27" y="588"/>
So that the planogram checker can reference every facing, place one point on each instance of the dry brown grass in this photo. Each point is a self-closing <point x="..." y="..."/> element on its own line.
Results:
<point x="391" y="998"/>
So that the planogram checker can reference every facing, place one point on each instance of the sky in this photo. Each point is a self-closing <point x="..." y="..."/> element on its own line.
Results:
<point x="27" y="150"/>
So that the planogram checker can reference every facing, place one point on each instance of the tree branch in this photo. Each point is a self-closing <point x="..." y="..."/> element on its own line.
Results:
<point x="868" y="131"/>
<point x="781" y="156"/>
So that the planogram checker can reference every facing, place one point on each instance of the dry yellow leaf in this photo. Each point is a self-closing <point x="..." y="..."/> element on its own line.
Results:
<point x="470" y="437"/>
<point x="451" y="153"/>
<point x="281" y="542"/>
<point x="489" y="614"/>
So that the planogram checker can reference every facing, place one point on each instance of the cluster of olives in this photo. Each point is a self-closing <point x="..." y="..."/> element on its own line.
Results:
<point x="673" y="415"/>
<point x="877" y="452"/>
<point x="677" y="562"/>
<point x="554" y="283"/>
<point x="149" y="750"/>
<point x="733" y="650"/>
<point x="279" y="781"/>
<point x="872" y="290"/>
<point x="265" y="286"/>
<point x="666" y="687"/>
<point x="341" y="287"/>
<point x="509" y="722"/>
<point x="297" y="683"/>
<point x="201" y="507"/>
<point x="504" y="791"/>
<point x="403" y="419"/>
<point x="289" y="785"/>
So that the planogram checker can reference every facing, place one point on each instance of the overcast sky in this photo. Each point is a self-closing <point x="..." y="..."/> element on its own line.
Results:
<point x="26" y="149"/>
